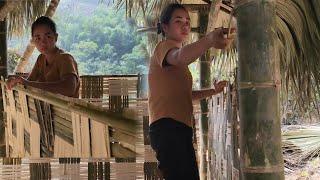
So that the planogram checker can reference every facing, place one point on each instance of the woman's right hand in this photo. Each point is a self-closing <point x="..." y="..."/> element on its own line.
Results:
<point x="219" y="86"/>
<point x="13" y="81"/>
<point x="219" y="38"/>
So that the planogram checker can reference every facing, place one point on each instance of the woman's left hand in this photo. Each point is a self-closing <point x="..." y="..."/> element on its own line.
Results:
<point x="219" y="86"/>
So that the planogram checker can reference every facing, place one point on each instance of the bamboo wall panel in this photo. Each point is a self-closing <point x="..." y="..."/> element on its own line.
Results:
<point x="221" y="158"/>
<point x="116" y="93"/>
<point x="39" y="128"/>
<point x="113" y="92"/>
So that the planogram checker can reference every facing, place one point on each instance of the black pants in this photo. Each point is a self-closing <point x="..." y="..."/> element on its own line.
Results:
<point x="172" y="142"/>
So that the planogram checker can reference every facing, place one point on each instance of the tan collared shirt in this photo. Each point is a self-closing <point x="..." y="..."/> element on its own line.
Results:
<point x="62" y="65"/>
<point x="170" y="87"/>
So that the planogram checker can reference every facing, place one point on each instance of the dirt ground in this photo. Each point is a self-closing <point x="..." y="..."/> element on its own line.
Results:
<point x="310" y="172"/>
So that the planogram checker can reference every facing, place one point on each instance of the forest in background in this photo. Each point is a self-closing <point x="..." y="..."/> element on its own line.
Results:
<point x="102" y="39"/>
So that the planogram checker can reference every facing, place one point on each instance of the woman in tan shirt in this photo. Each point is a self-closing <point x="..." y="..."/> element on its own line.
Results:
<point x="55" y="70"/>
<point x="171" y="95"/>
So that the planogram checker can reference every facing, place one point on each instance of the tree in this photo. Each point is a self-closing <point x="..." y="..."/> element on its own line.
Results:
<point x="102" y="42"/>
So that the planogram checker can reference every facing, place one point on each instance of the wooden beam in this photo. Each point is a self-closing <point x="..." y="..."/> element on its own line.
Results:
<point x="226" y="8"/>
<point x="123" y="137"/>
<point x="198" y="7"/>
<point x="117" y="150"/>
<point x="206" y="7"/>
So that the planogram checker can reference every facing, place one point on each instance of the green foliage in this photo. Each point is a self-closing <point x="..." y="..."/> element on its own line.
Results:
<point x="103" y="42"/>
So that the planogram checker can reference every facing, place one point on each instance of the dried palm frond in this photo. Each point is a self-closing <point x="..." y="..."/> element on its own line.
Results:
<point x="24" y="13"/>
<point x="224" y="65"/>
<point x="300" y="143"/>
<point x="298" y="29"/>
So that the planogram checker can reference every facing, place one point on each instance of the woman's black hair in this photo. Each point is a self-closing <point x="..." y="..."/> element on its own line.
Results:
<point x="166" y="15"/>
<point x="44" y="20"/>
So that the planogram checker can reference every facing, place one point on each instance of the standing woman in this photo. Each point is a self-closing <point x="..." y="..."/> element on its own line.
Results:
<point x="55" y="70"/>
<point x="171" y="95"/>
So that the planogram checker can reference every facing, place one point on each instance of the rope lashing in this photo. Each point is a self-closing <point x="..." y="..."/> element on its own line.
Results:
<point x="253" y="85"/>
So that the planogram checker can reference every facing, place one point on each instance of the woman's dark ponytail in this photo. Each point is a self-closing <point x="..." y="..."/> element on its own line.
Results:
<point x="159" y="28"/>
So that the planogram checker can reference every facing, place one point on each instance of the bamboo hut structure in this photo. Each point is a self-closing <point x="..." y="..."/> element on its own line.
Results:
<point x="277" y="44"/>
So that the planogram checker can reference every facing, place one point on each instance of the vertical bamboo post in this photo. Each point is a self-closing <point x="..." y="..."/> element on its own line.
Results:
<point x="3" y="73"/>
<point x="234" y="126"/>
<point x="205" y="82"/>
<point x="260" y="131"/>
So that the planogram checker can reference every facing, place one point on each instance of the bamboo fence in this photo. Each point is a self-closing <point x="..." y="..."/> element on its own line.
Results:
<point x="42" y="124"/>
<point x="223" y="154"/>
<point x="109" y="121"/>
<point x="103" y="124"/>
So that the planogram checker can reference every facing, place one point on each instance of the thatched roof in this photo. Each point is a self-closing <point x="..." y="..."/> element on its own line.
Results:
<point x="20" y="14"/>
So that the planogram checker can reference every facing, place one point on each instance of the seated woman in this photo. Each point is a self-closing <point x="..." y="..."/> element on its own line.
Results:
<point x="54" y="70"/>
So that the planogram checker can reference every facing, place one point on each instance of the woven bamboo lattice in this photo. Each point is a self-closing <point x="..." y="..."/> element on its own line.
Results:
<point x="223" y="157"/>
<point x="120" y="93"/>
<point x="114" y="92"/>
<point x="71" y="168"/>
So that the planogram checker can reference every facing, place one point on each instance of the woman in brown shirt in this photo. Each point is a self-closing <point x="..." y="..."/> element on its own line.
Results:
<point x="171" y="95"/>
<point x="55" y="70"/>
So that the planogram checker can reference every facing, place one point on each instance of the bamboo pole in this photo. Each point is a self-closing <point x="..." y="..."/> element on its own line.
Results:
<point x="207" y="22"/>
<point x="260" y="131"/>
<point x="97" y="113"/>
<point x="3" y="72"/>
<point x="205" y="82"/>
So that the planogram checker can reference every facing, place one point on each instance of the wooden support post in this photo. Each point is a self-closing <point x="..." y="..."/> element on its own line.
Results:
<point x="3" y="73"/>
